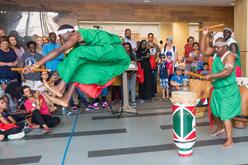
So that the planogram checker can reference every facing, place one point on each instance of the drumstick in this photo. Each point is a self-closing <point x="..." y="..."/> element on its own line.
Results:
<point x="35" y="70"/>
<point x="49" y="82"/>
<point x="196" y="75"/>
<point x="210" y="27"/>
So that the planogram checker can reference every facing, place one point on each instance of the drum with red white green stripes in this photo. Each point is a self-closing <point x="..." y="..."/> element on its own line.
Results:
<point x="184" y="132"/>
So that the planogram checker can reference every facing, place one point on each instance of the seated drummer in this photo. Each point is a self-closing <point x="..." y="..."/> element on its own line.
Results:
<point x="179" y="81"/>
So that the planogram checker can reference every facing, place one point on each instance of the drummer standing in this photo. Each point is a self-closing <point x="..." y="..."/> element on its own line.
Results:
<point x="234" y="48"/>
<point x="225" y="101"/>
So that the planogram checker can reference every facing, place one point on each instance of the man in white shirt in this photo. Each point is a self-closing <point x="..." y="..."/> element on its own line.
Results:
<point x="128" y="39"/>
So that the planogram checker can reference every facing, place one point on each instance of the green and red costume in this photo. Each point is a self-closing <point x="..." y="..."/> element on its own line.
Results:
<point x="93" y="65"/>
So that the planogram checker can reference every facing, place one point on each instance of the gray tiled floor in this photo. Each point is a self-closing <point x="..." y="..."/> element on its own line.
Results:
<point x="141" y="139"/>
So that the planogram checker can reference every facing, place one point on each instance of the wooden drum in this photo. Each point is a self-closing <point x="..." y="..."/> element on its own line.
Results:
<point x="241" y="120"/>
<point x="202" y="90"/>
<point x="184" y="131"/>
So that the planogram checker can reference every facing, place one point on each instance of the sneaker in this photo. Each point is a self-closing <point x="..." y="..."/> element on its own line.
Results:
<point x="27" y="129"/>
<point x="134" y="105"/>
<point x="142" y="101"/>
<point x="75" y="109"/>
<point x="94" y="106"/>
<point x="69" y="113"/>
<point x="105" y="105"/>
<point x="89" y="108"/>
<point x="16" y="136"/>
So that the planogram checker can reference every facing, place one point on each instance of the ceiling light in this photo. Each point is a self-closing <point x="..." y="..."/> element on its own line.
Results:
<point x="232" y="3"/>
<point x="147" y="1"/>
<point x="3" y="12"/>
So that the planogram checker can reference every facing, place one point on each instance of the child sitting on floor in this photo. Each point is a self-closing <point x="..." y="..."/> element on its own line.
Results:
<point x="38" y="109"/>
<point x="9" y="128"/>
<point x="179" y="81"/>
<point x="205" y="70"/>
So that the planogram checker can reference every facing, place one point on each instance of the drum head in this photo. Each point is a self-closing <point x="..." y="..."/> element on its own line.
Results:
<point x="183" y="98"/>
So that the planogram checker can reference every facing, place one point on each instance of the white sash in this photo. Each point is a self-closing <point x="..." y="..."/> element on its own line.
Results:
<point x="222" y="58"/>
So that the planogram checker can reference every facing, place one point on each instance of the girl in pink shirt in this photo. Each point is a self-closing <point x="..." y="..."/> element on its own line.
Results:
<point x="38" y="108"/>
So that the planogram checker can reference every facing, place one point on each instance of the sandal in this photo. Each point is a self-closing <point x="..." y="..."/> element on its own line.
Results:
<point x="47" y="130"/>
<point x="34" y="126"/>
<point x="218" y="132"/>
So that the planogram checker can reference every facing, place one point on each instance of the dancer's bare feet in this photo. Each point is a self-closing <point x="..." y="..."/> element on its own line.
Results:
<point x="218" y="131"/>
<point x="228" y="143"/>
<point x="53" y="89"/>
<point x="59" y="101"/>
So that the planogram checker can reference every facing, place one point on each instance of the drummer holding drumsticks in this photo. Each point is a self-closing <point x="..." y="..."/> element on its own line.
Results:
<point x="225" y="100"/>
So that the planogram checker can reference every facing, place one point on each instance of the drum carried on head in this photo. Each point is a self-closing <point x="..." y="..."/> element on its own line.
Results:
<point x="184" y="131"/>
<point x="241" y="120"/>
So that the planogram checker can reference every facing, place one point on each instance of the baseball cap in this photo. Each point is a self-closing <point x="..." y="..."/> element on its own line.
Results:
<point x="169" y="38"/>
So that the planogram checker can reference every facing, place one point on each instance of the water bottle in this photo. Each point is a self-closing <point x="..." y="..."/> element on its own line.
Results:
<point x="185" y="85"/>
<point x="64" y="111"/>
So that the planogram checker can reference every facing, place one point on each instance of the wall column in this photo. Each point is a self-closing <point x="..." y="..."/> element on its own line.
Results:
<point x="241" y="31"/>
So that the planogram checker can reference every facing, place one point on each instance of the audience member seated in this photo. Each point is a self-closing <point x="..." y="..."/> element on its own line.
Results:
<point x="9" y="128"/>
<point x="52" y="79"/>
<point x="179" y="81"/>
<point x="17" y="118"/>
<point x="205" y="70"/>
<point x="14" y="91"/>
<point x="38" y="109"/>
<point x="12" y="109"/>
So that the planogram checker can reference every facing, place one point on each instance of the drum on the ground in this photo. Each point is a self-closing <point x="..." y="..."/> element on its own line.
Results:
<point x="184" y="131"/>
<point x="202" y="90"/>
<point x="241" y="120"/>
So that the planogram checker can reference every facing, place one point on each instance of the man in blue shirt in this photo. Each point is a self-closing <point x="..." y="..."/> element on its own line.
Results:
<point x="47" y="48"/>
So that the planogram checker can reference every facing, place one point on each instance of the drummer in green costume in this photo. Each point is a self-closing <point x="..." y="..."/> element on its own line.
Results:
<point x="226" y="100"/>
<point x="95" y="57"/>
